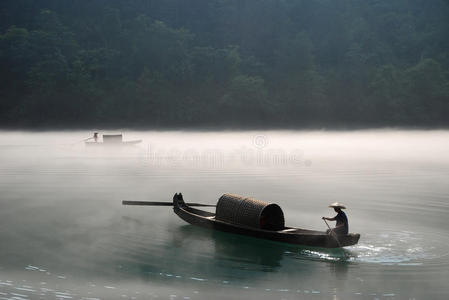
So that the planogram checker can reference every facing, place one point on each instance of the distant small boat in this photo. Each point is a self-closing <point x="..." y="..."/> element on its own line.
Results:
<point x="112" y="140"/>
<point x="255" y="218"/>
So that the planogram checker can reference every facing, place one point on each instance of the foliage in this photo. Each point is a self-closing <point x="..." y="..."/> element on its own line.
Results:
<point x="224" y="63"/>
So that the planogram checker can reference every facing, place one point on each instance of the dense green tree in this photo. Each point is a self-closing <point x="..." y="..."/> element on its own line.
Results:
<point x="224" y="63"/>
<point x="427" y="88"/>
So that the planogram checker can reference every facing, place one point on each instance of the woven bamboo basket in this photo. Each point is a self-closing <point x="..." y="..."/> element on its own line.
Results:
<point x="249" y="212"/>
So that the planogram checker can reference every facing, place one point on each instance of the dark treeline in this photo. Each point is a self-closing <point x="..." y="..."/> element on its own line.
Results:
<point x="271" y="63"/>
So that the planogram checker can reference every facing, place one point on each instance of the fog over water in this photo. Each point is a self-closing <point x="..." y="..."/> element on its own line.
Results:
<point x="65" y="235"/>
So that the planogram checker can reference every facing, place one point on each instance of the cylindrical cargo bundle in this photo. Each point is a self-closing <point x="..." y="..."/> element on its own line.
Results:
<point x="112" y="138"/>
<point x="249" y="212"/>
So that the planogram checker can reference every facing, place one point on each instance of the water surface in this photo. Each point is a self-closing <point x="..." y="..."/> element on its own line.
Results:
<point x="65" y="234"/>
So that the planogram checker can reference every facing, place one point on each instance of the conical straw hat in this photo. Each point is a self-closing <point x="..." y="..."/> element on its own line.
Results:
<point x="336" y="204"/>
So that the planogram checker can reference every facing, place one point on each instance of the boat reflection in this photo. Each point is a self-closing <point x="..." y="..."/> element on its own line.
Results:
<point x="268" y="255"/>
<point x="185" y="253"/>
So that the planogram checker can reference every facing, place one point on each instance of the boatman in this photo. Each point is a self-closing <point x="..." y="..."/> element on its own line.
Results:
<point x="342" y="227"/>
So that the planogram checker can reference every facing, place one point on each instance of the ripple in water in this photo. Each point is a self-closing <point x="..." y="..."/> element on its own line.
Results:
<point x="320" y="254"/>
<point x="403" y="248"/>
<point x="398" y="248"/>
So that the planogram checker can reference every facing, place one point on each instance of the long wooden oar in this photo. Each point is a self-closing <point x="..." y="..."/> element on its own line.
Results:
<point x="332" y="233"/>
<point x="85" y="140"/>
<point x="156" y="203"/>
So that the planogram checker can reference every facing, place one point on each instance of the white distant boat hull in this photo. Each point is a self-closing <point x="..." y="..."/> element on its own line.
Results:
<point x="113" y="144"/>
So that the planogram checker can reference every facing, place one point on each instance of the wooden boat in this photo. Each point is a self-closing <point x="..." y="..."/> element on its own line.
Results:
<point x="275" y="231"/>
<point x="125" y="143"/>
<point x="113" y="140"/>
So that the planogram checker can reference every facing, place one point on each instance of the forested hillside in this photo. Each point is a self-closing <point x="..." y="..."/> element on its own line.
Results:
<point x="240" y="63"/>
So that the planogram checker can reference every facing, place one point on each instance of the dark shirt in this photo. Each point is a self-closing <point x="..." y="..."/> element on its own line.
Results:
<point x="342" y="220"/>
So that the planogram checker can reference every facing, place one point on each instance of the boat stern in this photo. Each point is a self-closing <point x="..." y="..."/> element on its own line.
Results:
<point x="350" y="239"/>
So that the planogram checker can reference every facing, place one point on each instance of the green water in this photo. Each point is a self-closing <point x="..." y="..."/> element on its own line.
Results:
<point x="65" y="235"/>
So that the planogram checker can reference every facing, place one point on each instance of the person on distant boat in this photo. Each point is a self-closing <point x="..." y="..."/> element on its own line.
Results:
<point x="342" y="227"/>
<point x="96" y="137"/>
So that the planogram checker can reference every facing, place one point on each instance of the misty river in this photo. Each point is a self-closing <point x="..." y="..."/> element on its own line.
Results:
<point x="65" y="234"/>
